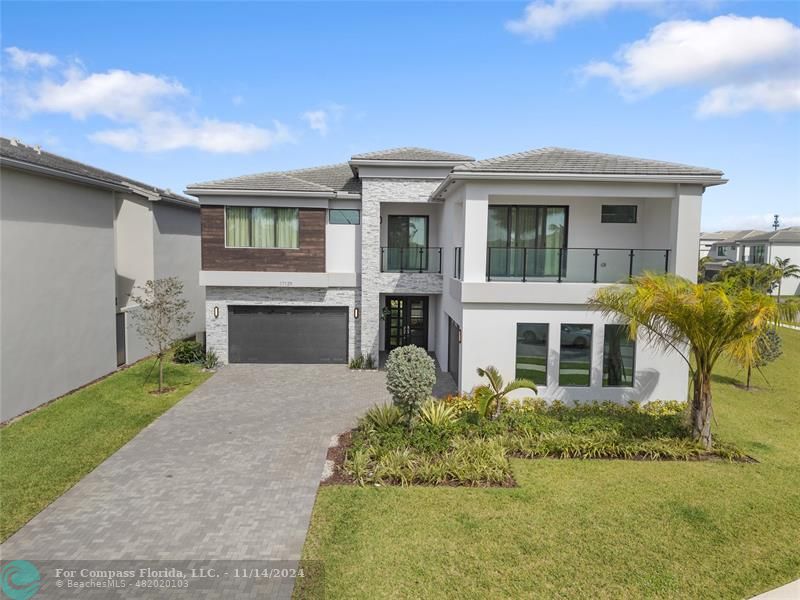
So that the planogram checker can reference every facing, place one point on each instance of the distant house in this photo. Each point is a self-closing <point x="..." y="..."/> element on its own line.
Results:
<point x="753" y="246"/>
<point x="75" y="241"/>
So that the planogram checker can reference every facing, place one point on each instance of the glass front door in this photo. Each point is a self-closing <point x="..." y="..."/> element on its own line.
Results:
<point x="406" y="322"/>
<point x="408" y="243"/>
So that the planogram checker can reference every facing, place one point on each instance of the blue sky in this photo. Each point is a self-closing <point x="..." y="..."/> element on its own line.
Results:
<point x="175" y="93"/>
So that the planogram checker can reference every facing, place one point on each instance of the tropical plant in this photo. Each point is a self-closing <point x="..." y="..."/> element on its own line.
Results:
<point x="210" y="359"/>
<point x="161" y="316"/>
<point x="410" y="375"/>
<point x="494" y="393"/>
<point x="357" y="362"/>
<point x="437" y="414"/>
<point x="383" y="416"/>
<point x="701" y="322"/>
<point x="761" y="278"/>
<point x="785" y="269"/>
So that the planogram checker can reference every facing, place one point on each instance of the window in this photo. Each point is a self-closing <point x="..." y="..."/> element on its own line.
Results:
<point x="261" y="227"/>
<point x="532" y="352"/>
<point x="757" y="255"/>
<point x="721" y="250"/>
<point x="408" y="243"/>
<point x="619" y="353"/>
<point x="618" y="213"/>
<point x="575" y="359"/>
<point x="525" y="238"/>
<point x="344" y="216"/>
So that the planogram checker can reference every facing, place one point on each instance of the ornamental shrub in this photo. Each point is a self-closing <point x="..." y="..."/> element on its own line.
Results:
<point x="188" y="352"/>
<point x="410" y="375"/>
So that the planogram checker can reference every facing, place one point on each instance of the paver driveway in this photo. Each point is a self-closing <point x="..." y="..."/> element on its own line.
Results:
<point x="230" y="472"/>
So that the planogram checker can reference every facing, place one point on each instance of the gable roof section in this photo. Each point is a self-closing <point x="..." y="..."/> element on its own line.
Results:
<point x="412" y="154"/>
<point x="787" y="235"/>
<point x="567" y="161"/>
<point x="327" y="179"/>
<point x="17" y="154"/>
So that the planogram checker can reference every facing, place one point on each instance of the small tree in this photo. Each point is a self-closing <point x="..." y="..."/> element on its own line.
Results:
<point x="759" y="278"/>
<point x="496" y="392"/>
<point x="768" y="348"/>
<point x="410" y="375"/>
<point x="785" y="269"/>
<point x="161" y="318"/>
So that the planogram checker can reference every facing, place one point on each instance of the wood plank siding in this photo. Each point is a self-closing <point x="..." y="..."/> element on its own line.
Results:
<point x="308" y="258"/>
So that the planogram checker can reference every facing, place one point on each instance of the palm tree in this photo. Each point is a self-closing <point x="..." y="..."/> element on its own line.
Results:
<point x="785" y="269"/>
<point x="702" y="322"/>
<point x="495" y="392"/>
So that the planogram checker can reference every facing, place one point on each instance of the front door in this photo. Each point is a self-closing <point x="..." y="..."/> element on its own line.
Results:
<point x="406" y="322"/>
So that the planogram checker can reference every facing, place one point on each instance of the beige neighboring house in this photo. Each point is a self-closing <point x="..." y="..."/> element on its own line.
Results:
<point x="74" y="242"/>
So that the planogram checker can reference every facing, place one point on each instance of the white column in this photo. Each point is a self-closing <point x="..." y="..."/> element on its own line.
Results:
<point x="685" y="229"/>
<point x="476" y="219"/>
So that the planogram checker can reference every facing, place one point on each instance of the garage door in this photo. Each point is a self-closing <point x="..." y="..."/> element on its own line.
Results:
<point x="287" y="334"/>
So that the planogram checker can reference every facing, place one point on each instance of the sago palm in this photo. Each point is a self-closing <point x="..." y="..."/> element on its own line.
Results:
<point x="785" y="270"/>
<point x="701" y="322"/>
<point x="496" y="392"/>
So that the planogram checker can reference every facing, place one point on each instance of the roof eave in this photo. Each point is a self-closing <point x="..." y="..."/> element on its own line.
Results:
<point x="84" y="179"/>
<point x="705" y="180"/>
<point x="255" y="192"/>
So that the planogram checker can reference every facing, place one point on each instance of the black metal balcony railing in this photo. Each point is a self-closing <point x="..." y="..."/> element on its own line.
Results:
<point x="411" y="260"/>
<point x="458" y="264"/>
<point x="579" y="265"/>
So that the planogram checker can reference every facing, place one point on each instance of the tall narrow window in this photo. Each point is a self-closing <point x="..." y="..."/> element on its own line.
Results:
<point x="619" y="356"/>
<point x="261" y="227"/>
<point x="532" y="352"/>
<point x="575" y="358"/>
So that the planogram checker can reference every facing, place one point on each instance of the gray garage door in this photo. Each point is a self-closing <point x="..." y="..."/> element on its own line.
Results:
<point x="287" y="334"/>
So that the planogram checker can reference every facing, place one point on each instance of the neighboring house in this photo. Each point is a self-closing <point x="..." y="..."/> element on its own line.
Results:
<point x="76" y="240"/>
<point x="726" y="250"/>
<point x="482" y="263"/>
<point x="708" y="239"/>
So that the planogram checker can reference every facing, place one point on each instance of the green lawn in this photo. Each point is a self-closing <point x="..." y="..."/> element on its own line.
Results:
<point x="47" y="452"/>
<point x="588" y="529"/>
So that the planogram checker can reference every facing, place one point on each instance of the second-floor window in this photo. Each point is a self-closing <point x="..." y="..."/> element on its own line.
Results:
<point x="758" y="255"/>
<point x="720" y="250"/>
<point x="618" y="213"/>
<point x="261" y="227"/>
<point x="526" y="238"/>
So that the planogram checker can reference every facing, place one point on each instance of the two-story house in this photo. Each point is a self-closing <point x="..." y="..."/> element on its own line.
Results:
<point x="486" y="262"/>
<point x="75" y="242"/>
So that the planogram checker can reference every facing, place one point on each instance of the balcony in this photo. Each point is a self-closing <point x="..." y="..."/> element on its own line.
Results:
<point x="411" y="260"/>
<point x="573" y="265"/>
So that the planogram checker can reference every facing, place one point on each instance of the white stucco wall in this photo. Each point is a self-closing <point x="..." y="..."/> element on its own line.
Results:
<point x="789" y="286"/>
<point x="490" y="334"/>
<point x="58" y="288"/>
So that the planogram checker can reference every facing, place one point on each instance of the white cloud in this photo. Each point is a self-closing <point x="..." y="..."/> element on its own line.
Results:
<point x="22" y="59"/>
<point x="543" y="18"/>
<point x="748" y="62"/>
<point x="320" y="119"/>
<point x="149" y="109"/>
<point x="162" y="132"/>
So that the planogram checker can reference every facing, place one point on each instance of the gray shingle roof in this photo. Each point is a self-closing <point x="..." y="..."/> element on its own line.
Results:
<point x="565" y="160"/>
<point x="739" y="236"/>
<point x="412" y="154"/>
<point x="329" y="178"/>
<point x="785" y="235"/>
<point x="338" y="177"/>
<point x="18" y="151"/>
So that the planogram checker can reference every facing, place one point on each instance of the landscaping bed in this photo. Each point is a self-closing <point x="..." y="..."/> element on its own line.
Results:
<point x="460" y="447"/>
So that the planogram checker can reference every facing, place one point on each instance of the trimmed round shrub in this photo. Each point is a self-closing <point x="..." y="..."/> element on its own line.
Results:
<point x="410" y="375"/>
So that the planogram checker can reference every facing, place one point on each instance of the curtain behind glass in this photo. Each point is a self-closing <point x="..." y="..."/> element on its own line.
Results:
<point x="555" y="221"/>
<point x="286" y="220"/>
<point x="237" y="223"/>
<point x="263" y="227"/>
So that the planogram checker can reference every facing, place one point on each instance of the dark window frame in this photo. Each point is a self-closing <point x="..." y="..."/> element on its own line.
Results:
<point x="590" y="347"/>
<point x="633" y="361"/>
<point x="342" y="210"/>
<point x="606" y="217"/>
<point x="546" y="352"/>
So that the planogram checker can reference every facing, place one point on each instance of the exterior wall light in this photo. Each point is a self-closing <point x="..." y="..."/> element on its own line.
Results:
<point x="355" y="312"/>
<point x="459" y="335"/>
<point x="216" y="312"/>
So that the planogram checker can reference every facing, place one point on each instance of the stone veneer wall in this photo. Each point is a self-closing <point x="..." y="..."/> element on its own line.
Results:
<point x="217" y="328"/>
<point x="373" y="282"/>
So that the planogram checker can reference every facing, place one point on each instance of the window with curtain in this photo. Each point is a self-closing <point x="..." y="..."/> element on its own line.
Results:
<point x="526" y="238"/>
<point x="261" y="227"/>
